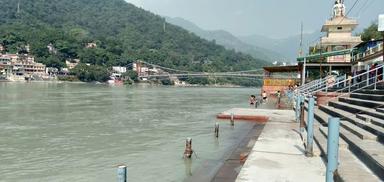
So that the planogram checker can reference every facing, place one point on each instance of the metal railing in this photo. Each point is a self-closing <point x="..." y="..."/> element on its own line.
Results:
<point x="320" y="84"/>
<point x="315" y="84"/>
<point x="369" y="78"/>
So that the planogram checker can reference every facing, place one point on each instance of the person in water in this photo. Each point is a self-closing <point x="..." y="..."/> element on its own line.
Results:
<point x="264" y="95"/>
<point x="278" y="95"/>
<point x="252" y="100"/>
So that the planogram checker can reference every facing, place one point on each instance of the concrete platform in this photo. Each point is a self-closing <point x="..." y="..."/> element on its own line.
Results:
<point x="261" y="115"/>
<point x="278" y="154"/>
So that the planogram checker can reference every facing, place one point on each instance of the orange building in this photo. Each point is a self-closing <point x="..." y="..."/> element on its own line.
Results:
<point x="280" y="78"/>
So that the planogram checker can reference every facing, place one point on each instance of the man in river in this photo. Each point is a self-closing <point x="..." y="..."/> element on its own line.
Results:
<point x="252" y="100"/>
<point x="278" y="95"/>
<point x="264" y="95"/>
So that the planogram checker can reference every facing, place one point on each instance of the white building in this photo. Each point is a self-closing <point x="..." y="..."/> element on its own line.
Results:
<point x="72" y="63"/>
<point x="119" y="69"/>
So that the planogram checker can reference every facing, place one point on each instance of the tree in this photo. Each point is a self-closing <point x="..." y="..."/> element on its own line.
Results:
<point x="52" y="61"/>
<point x="132" y="75"/>
<point x="370" y="33"/>
<point x="90" y="73"/>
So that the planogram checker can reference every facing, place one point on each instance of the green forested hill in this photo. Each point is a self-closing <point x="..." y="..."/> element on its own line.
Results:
<point x="122" y="32"/>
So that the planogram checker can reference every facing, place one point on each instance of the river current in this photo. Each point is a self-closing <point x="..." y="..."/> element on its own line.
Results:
<point x="81" y="132"/>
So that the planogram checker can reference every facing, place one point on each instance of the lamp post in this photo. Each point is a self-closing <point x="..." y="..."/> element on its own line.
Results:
<point x="304" y="70"/>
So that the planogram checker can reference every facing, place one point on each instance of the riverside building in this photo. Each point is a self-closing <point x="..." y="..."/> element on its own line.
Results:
<point x="20" y="65"/>
<point x="332" y="54"/>
<point x="366" y="54"/>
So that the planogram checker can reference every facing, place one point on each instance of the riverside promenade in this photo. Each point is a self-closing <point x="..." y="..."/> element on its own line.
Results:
<point x="279" y="152"/>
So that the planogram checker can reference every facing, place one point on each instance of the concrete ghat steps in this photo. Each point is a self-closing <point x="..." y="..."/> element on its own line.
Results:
<point x="362" y="102"/>
<point x="361" y="133"/>
<point x="370" y="152"/>
<point x="350" y="168"/>
<point x="362" y="129"/>
<point x="376" y="92"/>
<point x="342" y="143"/>
<point x="380" y="110"/>
<point x="356" y="109"/>
<point x="374" y="97"/>
<point x="320" y="116"/>
<point x="371" y="119"/>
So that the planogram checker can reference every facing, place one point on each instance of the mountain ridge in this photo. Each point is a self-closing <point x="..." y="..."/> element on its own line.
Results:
<point x="226" y="39"/>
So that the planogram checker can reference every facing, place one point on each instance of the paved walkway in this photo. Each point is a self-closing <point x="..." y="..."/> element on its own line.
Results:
<point x="278" y="154"/>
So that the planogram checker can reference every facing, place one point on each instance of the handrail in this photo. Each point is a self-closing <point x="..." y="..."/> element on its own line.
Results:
<point x="351" y="85"/>
<point x="312" y="84"/>
<point x="349" y="91"/>
<point x="319" y="84"/>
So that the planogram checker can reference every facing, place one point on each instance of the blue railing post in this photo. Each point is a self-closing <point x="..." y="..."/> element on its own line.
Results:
<point x="311" y="107"/>
<point x="332" y="148"/>
<point x="302" y="108"/>
<point x="297" y="99"/>
<point x="375" y="79"/>
<point x="122" y="174"/>
<point x="345" y="78"/>
<point x="297" y="108"/>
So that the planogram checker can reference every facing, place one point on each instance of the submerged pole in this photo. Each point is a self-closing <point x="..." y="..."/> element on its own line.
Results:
<point x="311" y="107"/>
<point x="122" y="173"/>
<point x="188" y="148"/>
<point x="332" y="148"/>
<point x="232" y="119"/>
<point x="217" y="130"/>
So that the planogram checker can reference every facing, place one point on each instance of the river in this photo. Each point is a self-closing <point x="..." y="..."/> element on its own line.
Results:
<point x="81" y="132"/>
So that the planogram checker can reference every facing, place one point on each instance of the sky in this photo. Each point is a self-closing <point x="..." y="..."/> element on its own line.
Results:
<point x="271" y="18"/>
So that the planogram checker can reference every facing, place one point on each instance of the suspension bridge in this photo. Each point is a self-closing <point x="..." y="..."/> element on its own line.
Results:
<point x="161" y="72"/>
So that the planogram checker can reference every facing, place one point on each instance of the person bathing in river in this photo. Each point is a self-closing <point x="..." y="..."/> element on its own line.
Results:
<point x="252" y="100"/>
<point x="278" y="95"/>
<point x="264" y="96"/>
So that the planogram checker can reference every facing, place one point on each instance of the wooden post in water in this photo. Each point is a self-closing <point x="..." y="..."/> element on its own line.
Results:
<point x="188" y="148"/>
<point x="232" y="119"/>
<point x="122" y="173"/>
<point x="217" y="130"/>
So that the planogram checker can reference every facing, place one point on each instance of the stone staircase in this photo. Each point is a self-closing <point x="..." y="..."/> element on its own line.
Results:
<point x="361" y="146"/>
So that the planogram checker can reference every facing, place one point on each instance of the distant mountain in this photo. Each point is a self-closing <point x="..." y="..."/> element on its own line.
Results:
<point x="227" y="40"/>
<point x="121" y="32"/>
<point x="289" y="47"/>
